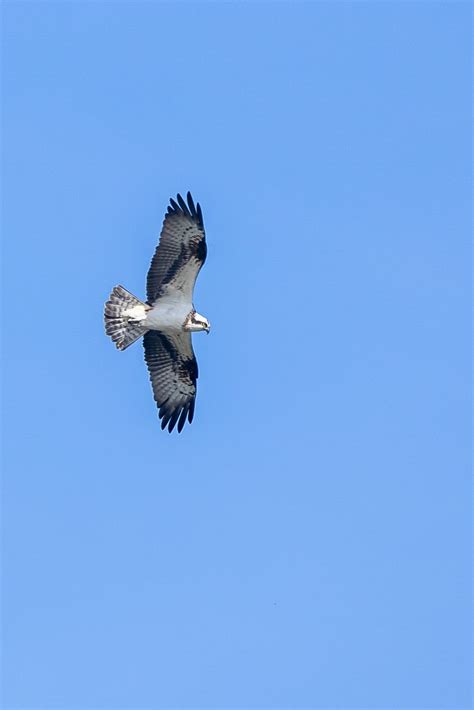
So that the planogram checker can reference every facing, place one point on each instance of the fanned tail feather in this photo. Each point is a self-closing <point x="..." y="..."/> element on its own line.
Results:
<point x="124" y="328"/>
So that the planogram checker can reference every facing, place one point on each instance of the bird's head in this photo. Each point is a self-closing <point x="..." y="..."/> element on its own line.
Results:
<point x="195" y="322"/>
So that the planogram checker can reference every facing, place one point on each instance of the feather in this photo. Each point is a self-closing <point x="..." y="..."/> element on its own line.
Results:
<point x="181" y="251"/>
<point x="173" y="374"/>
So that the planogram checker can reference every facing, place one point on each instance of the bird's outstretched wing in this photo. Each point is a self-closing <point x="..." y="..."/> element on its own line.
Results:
<point x="181" y="251"/>
<point x="173" y="373"/>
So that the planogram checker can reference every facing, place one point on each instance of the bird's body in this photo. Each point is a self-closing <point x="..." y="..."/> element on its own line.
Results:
<point x="168" y="318"/>
<point x="171" y="312"/>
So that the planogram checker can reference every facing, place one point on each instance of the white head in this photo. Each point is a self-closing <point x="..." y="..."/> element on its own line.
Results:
<point x="196" y="322"/>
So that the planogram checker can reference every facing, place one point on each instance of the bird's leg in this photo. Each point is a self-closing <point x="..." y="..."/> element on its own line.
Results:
<point x="135" y="315"/>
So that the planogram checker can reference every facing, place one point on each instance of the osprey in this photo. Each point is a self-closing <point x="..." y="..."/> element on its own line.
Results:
<point x="168" y="317"/>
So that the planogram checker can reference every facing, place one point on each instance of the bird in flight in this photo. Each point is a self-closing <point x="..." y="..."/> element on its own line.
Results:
<point x="168" y="317"/>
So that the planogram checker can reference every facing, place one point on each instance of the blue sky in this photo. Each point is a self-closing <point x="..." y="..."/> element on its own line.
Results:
<point x="305" y="543"/>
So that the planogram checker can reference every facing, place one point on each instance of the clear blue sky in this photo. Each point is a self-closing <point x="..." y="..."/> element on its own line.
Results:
<point x="305" y="543"/>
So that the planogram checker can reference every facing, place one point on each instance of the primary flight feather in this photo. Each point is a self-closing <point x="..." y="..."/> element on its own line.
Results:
<point x="168" y="317"/>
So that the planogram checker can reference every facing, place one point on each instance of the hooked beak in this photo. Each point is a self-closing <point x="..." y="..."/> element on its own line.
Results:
<point x="208" y="329"/>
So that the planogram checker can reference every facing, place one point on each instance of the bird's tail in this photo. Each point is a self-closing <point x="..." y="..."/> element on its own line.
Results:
<point x="124" y="315"/>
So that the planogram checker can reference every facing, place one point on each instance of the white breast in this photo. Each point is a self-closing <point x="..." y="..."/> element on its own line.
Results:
<point x="169" y="312"/>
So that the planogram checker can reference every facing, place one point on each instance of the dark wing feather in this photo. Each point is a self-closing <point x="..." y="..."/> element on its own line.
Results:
<point x="173" y="373"/>
<point x="181" y="251"/>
